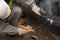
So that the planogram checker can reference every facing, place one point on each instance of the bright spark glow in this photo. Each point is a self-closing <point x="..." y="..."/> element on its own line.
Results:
<point x="51" y="21"/>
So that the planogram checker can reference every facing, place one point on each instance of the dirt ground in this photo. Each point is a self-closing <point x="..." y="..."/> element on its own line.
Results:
<point x="43" y="31"/>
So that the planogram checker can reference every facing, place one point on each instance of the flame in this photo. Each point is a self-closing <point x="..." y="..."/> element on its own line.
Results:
<point x="27" y="28"/>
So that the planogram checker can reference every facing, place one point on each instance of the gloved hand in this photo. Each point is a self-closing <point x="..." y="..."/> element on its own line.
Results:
<point x="11" y="30"/>
<point x="37" y="9"/>
<point x="22" y="31"/>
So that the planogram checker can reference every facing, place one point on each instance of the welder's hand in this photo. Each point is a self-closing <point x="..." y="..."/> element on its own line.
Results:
<point x="22" y="31"/>
<point x="37" y="10"/>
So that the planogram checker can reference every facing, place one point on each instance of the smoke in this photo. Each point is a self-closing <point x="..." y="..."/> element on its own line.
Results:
<point x="48" y="6"/>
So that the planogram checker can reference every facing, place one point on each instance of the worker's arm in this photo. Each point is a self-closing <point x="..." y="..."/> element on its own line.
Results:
<point x="11" y="30"/>
<point x="32" y="5"/>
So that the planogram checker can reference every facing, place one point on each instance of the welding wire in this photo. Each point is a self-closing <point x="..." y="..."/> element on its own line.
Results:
<point x="41" y="25"/>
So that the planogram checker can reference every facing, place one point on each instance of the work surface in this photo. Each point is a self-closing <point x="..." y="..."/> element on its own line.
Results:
<point x="44" y="32"/>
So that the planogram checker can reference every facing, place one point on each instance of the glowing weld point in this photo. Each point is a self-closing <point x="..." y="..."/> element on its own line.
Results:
<point x="51" y="21"/>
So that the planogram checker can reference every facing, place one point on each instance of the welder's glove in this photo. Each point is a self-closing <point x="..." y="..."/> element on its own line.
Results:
<point x="22" y="31"/>
<point x="37" y="9"/>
